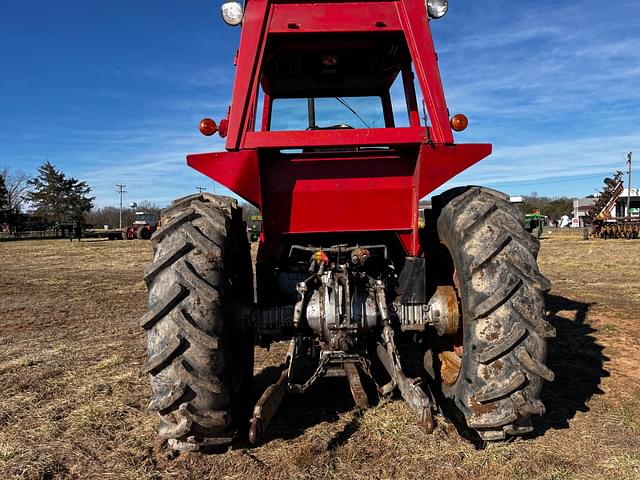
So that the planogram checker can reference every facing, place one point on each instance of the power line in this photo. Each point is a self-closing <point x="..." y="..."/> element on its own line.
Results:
<point x="121" y="190"/>
<point x="629" y="185"/>
<point x="201" y="189"/>
<point x="563" y="178"/>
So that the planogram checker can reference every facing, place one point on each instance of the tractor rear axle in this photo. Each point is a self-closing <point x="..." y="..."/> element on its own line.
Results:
<point x="344" y="305"/>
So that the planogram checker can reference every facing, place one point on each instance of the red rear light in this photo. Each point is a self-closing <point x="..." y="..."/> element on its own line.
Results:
<point x="223" y="127"/>
<point x="207" y="127"/>
<point x="459" y="122"/>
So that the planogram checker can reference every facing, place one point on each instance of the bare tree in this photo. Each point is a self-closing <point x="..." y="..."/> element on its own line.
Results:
<point x="554" y="208"/>
<point x="17" y="187"/>
<point x="148" y="207"/>
<point x="109" y="215"/>
<point x="248" y="211"/>
<point x="4" y="202"/>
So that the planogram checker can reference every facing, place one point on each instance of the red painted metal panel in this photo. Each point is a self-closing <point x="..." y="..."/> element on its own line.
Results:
<point x="440" y="163"/>
<point x="409" y="240"/>
<point x="238" y="171"/>
<point x="341" y="207"/>
<point x="348" y="191"/>
<point x="249" y="59"/>
<point x="339" y="137"/>
<point x="353" y="192"/>
<point x="413" y="16"/>
<point x="410" y="96"/>
<point x="334" y="17"/>
<point x="311" y="194"/>
<point x="261" y="20"/>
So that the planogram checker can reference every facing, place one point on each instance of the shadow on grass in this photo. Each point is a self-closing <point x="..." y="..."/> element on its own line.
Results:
<point x="574" y="355"/>
<point x="577" y="360"/>
<point x="323" y="402"/>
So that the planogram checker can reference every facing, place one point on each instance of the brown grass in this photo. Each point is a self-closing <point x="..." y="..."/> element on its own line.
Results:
<point x="73" y="400"/>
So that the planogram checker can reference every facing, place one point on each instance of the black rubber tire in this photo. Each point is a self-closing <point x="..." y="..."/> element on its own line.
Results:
<point x="504" y="326"/>
<point x="143" y="233"/>
<point x="200" y="356"/>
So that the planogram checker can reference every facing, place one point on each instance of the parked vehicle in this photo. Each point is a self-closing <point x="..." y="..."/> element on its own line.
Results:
<point x="144" y="225"/>
<point x="254" y="227"/>
<point x="533" y="223"/>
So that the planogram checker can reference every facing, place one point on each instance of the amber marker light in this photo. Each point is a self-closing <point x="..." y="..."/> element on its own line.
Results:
<point x="207" y="127"/>
<point x="459" y="122"/>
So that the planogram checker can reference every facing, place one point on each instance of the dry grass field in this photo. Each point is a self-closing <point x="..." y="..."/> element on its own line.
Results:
<point x="73" y="400"/>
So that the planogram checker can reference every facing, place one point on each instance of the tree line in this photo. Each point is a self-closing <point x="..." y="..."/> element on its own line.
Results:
<point x="111" y="215"/>
<point x="554" y="208"/>
<point x="56" y="199"/>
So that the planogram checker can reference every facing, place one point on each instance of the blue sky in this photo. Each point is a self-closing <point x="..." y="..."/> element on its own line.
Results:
<point x="111" y="92"/>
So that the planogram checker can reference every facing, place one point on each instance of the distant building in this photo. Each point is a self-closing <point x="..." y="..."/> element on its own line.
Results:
<point x="619" y="210"/>
<point x="425" y="205"/>
<point x="581" y="207"/>
<point x="616" y="209"/>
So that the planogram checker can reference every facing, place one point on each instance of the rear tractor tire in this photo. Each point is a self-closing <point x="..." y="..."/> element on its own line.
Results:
<point x="493" y="381"/>
<point x="143" y="233"/>
<point x="200" y="358"/>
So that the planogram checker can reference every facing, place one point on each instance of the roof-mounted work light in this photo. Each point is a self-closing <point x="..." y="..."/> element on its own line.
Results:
<point x="437" y="8"/>
<point x="232" y="13"/>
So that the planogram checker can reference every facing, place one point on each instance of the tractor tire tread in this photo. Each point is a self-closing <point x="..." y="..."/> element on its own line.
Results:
<point x="502" y="295"/>
<point x="160" y="359"/>
<point x="534" y="366"/>
<point x="506" y="343"/>
<point x="165" y="261"/>
<point x="160" y="404"/>
<point x="509" y="286"/>
<point x="172" y="225"/>
<point x="190" y="276"/>
<point x="187" y="338"/>
<point x="502" y="244"/>
<point x="193" y="332"/>
<point x="174" y="296"/>
<point x="491" y="392"/>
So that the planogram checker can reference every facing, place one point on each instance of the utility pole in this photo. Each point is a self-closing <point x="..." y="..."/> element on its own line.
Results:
<point x="629" y="185"/>
<point x="201" y="189"/>
<point x="121" y="190"/>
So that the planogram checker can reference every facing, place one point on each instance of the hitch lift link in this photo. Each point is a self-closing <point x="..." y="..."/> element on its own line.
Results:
<point x="342" y="364"/>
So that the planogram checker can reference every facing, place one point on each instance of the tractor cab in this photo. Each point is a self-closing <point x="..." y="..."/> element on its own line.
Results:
<point x="146" y="218"/>
<point x="336" y="107"/>
<point x="331" y="82"/>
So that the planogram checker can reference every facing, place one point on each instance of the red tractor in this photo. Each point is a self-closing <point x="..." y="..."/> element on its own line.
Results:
<point x="327" y="136"/>
<point x="144" y="225"/>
